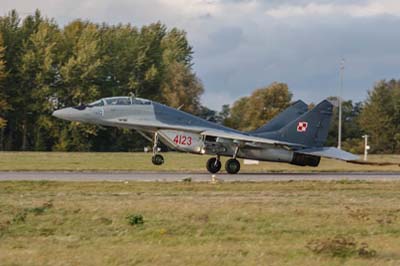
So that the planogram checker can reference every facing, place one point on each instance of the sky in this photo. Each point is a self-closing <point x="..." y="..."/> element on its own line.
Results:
<point x="242" y="45"/>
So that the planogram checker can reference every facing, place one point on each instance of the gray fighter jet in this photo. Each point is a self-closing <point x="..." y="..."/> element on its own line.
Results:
<point x="295" y="136"/>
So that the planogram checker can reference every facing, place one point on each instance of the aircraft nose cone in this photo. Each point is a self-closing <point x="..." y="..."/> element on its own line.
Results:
<point x="58" y="113"/>
<point x="66" y="114"/>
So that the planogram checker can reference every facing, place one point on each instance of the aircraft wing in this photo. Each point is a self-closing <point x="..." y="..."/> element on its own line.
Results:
<point x="329" y="152"/>
<point x="247" y="139"/>
<point x="256" y="142"/>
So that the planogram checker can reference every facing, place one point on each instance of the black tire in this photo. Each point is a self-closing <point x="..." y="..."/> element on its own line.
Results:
<point x="213" y="165"/>
<point x="232" y="166"/>
<point x="157" y="159"/>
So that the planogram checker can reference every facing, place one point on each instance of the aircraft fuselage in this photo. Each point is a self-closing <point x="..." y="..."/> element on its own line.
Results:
<point x="187" y="133"/>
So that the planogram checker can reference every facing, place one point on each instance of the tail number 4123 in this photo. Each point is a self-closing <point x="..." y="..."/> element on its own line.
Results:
<point x="183" y="140"/>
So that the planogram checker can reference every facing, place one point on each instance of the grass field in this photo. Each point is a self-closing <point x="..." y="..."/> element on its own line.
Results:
<point x="175" y="162"/>
<point x="271" y="223"/>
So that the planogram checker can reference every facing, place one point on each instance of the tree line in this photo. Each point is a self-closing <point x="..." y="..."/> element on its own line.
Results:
<point x="44" y="66"/>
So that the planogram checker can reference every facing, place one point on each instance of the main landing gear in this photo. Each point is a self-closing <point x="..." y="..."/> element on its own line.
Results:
<point x="213" y="165"/>
<point x="156" y="159"/>
<point x="232" y="166"/>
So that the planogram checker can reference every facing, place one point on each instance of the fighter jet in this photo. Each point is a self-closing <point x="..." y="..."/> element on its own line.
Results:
<point x="295" y="136"/>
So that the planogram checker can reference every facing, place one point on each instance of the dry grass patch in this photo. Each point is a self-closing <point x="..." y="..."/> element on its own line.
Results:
<point x="271" y="223"/>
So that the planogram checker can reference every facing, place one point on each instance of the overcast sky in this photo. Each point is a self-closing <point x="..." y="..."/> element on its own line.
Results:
<point x="241" y="45"/>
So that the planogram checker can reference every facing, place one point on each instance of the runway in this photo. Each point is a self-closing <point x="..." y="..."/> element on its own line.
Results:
<point x="195" y="177"/>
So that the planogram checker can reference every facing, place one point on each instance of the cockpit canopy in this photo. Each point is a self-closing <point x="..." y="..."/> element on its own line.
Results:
<point x="119" y="101"/>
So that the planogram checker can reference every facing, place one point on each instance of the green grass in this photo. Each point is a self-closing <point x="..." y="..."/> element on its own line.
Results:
<point x="270" y="223"/>
<point x="175" y="162"/>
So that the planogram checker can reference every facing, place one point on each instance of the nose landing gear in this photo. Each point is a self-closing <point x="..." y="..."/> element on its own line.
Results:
<point x="156" y="159"/>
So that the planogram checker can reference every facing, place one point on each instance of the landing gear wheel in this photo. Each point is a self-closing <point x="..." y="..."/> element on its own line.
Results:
<point x="232" y="166"/>
<point x="213" y="165"/>
<point x="157" y="159"/>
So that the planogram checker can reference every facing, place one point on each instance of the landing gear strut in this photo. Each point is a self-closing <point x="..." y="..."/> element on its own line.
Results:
<point x="156" y="159"/>
<point x="232" y="166"/>
<point x="213" y="165"/>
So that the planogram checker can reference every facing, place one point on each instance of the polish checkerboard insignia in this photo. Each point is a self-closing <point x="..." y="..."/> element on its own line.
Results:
<point x="302" y="126"/>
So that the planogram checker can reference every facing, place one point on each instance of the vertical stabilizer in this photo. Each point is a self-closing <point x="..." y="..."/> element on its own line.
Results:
<point x="310" y="129"/>
<point x="282" y="119"/>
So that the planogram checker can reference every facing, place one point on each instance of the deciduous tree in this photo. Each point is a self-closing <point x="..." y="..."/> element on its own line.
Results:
<point x="380" y="117"/>
<point x="249" y="113"/>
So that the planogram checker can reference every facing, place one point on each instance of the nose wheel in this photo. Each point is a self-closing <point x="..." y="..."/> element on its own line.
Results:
<point x="157" y="159"/>
<point x="213" y="165"/>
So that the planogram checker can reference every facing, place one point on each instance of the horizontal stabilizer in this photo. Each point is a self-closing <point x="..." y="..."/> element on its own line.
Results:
<point x="329" y="152"/>
<point x="374" y="163"/>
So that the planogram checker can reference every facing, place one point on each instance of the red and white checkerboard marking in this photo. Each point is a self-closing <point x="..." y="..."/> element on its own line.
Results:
<point x="302" y="126"/>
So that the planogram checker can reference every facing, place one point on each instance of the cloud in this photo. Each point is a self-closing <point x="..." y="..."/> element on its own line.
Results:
<point x="194" y="8"/>
<point x="371" y="8"/>
<point x="241" y="45"/>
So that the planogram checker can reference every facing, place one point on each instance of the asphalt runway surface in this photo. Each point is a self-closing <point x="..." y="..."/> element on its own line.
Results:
<point x="196" y="177"/>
